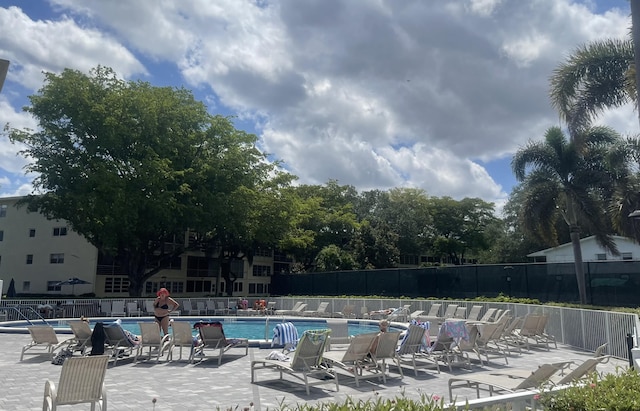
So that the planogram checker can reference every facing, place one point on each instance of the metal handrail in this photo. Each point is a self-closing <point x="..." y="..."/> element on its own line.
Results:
<point x="17" y="308"/>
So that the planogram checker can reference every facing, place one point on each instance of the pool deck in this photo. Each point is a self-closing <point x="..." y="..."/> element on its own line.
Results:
<point x="178" y="385"/>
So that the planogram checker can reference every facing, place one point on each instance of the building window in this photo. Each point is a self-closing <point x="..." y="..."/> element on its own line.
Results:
<point x="54" y="286"/>
<point x="261" y="252"/>
<point x="601" y="257"/>
<point x="59" y="231"/>
<point x="199" y="286"/>
<point x="261" y="270"/>
<point x="3" y="210"/>
<point x="116" y="285"/>
<point x="1" y="235"/>
<point x="237" y="286"/>
<point x="32" y="232"/>
<point x="56" y="258"/>
<point x="151" y="287"/>
<point x="26" y="286"/>
<point x="627" y="256"/>
<point x="29" y="258"/>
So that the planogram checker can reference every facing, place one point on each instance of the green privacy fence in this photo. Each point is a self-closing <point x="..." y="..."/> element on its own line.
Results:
<point x="610" y="283"/>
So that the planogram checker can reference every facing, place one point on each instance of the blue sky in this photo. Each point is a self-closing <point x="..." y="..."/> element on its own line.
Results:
<point x="435" y="95"/>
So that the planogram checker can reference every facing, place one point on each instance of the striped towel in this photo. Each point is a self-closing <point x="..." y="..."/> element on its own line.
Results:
<point x="285" y="334"/>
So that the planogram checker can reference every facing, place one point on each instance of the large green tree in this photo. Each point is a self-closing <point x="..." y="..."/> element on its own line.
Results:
<point x="562" y="178"/>
<point x="127" y="164"/>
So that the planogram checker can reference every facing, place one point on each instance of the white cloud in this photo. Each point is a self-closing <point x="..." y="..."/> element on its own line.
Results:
<point x="373" y="94"/>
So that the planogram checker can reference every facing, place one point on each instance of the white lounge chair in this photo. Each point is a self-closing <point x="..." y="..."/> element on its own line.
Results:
<point x="503" y="382"/>
<point x="82" y="335"/>
<point x="386" y="350"/>
<point x="81" y="381"/>
<point x="339" y="333"/>
<point x="353" y="360"/>
<point x="306" y="364"/>
<point x="413" y="349"/>
<point x="321" y="311"/>
<point x="43" y="337"/>
<point x="212" y="338"/>
<point x="119" y="342"/>
<point x="150" y="338"/>
<point x="117" y="309"/>
<point x="287" y="312"/>
<point x="148" y="307"/>
<point x="133" y="310"/>
<point x="181" y="337"/>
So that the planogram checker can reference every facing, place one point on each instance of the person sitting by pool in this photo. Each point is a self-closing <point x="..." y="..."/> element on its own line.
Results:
<point x="162" y="307"/>
<point x="384" y="327"/>
<point x="260" y="305"/>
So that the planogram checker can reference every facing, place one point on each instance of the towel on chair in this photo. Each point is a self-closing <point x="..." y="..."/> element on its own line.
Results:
<point x="285" y="334"/>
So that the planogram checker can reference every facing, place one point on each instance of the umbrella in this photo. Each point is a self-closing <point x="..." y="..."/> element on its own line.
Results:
<point x="72" y="282"/>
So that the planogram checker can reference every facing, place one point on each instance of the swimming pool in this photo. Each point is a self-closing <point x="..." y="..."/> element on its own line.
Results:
<point x="251" y="328"/>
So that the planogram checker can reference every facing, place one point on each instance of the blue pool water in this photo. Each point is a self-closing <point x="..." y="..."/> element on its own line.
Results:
<point x="253" y="329"/>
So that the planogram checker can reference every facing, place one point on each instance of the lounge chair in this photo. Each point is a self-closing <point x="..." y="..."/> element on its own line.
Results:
<point x="347" y="312"/>
<point x="450" y="311"/>
<point x="212" y="338"/>
<point x="400" y="314"/>
<point x="474" y="313"/>
<point x="321" y="311"/>
<point x="339" y="333"/>
<point x="120" y="342"/>
<point x="149" y="309"/>
<point x="271" y="308"/>
<point x="306" y="364"/>
<point x="488" y="315"/>
<point x="82" y="335"/>
<point x="221" y="308"/>
<point x="105" y="308"/>
<point x="584" y="369"/>
<point x="386" y="350"/>
<point x="117" y="309"/>
<point x="43" y="337"/>
<point x="189" y="309"/>
<point x="505" y="382"/>
<point x="353" y="359"/>
<point x="133" y="310"/>
<point x="81" y="381"/>
<point x="451" y="333"/>
<point x="150" y="338"/>
<point x="415" y="314"/>
<point x="413" y="348"/>
<point x="285" y="335"/>
<point x="181" y="337"/>
<point x="295" y="308"/>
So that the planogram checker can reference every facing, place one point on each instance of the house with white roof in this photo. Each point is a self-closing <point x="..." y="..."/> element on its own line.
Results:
<point x="591" y="251"/>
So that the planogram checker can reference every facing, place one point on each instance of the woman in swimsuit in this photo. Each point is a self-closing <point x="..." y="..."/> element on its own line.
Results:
<point x="162" y="306"/>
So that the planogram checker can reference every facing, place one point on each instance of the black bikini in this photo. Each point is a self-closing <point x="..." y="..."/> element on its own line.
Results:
<point x="164" y="307"/>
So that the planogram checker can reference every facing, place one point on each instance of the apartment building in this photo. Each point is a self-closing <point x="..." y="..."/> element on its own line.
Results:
<point x="38" y="254"/>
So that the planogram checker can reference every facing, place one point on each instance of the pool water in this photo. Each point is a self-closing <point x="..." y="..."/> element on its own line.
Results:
<point x="255" y="329"/>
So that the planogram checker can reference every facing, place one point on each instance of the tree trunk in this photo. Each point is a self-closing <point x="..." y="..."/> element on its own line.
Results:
<point x="577" y="255"/>
<point x="635" y="34"/>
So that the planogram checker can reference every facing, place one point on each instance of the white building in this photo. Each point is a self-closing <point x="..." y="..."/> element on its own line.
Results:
<point x="591" y="251"/>
<point x="38" y="253"/>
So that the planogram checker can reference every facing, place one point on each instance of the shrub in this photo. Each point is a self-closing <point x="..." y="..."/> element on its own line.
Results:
<point x="614" y="392"/>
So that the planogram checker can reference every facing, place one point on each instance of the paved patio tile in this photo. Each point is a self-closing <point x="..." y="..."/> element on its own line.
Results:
<point x="207" y="386"/>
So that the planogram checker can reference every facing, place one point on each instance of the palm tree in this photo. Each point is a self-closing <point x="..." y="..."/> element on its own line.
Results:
<point x="567" y="179"/>
<point x="597" y="76"/>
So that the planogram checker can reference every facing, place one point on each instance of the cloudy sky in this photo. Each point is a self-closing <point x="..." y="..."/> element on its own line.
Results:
<point x="373" y="93"/>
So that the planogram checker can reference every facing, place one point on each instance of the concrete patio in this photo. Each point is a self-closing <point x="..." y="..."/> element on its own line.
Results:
<point x="179" y="385"/>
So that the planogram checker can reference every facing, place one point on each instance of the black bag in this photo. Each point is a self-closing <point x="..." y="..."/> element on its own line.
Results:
<point x="98" y="338"/>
